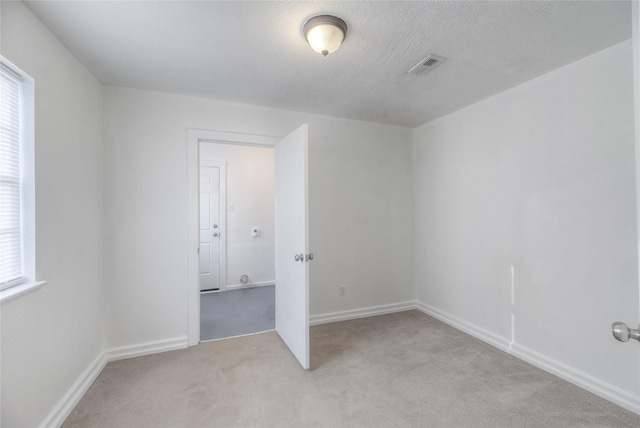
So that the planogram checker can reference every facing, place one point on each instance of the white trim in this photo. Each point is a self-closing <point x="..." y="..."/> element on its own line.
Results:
<point x="249" y="285"/>
<point x="148" y="348"/>
<point x="64" y="408"/>
<point x="19" y="290"/>
<point x="235" y="337"/>
<point x="576" y="377"/>
<point x="361" y="313"/>
<point x="238" y="139"/>
<point x="222" y="193"/>
<point x="28" y="184"/>
<point x="635" y="24"/>
<point x="194" y="137"/>
<point x="583" y="380"/>
<point x="469" y="328"/>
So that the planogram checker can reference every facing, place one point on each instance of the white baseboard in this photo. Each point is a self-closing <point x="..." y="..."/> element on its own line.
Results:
<point x="361" y="313"/>
<point x="576" y="377"/>
<point x="57" y="417"/>
<point x="628" y="401"/>
<point x="250" y="285"/>
<point x="146" y="349"/>
<point x="469" y="328"/>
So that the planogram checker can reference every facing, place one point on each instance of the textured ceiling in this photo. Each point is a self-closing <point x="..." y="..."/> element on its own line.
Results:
<point x="254" y="52"/>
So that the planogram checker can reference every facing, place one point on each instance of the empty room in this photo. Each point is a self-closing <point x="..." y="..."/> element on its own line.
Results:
<point x="432" y="205"/>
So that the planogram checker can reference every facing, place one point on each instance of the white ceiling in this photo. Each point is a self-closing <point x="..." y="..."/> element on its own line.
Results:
<point x="254" y="52"/>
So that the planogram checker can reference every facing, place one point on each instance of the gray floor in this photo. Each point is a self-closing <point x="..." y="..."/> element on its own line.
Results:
<point x="237" y="312"/>
<point x="399" y="370"/>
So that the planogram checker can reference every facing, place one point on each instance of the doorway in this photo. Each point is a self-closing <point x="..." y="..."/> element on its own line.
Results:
<point x="237" y="240"/>
<point x="292" y="232"/>
<point x="194" y="138"/>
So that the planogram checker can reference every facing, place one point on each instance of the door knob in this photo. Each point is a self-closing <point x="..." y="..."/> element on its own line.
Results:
<point x="215" y="233"/>
<point x="299" y="257"/>
<point x="623" y="333"/>
<point x="215" y="226"/>
<point x="308" y="257"/>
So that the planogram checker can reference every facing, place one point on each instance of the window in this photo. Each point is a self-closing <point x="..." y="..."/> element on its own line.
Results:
<point x="17" y="207"/>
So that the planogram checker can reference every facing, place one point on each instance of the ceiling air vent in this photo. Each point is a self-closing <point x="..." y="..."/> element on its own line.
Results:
<point x="427" y="64"/>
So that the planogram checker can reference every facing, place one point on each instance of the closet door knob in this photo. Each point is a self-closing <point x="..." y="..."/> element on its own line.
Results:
<point x="623" y="333"/>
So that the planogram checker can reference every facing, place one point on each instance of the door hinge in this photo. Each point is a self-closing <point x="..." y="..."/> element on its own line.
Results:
<point x="198" y="250"/>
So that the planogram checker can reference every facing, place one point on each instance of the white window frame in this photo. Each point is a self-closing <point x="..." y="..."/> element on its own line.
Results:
<point x="28" y="211"/>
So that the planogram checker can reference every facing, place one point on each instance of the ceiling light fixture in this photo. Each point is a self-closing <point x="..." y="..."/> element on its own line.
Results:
<point x="325" y="33"/>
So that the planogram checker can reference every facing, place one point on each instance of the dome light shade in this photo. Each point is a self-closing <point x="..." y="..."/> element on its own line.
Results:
<point x="325" y="33"/>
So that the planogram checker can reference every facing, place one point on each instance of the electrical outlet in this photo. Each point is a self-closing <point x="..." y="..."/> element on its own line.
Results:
<point x="343" y="289"/>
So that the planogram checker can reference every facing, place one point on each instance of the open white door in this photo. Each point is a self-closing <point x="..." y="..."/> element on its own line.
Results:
<point x="292" y="246"/>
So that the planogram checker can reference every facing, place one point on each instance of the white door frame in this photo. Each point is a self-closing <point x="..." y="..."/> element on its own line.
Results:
<point x="222" y="193"/>
<point x="635" y="24"/>
<point x="194" y="137"/>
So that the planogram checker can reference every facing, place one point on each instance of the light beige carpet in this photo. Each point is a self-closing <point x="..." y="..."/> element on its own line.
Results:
<point x="399" y="370"/>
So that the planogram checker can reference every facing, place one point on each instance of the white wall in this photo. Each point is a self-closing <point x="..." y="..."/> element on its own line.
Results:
<point x="250" y="189"/>
<point x="541" y="178"/>
<point x="361" y="207"/>
<point x="635" y="19"/>
<point x="51" y="335"/>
